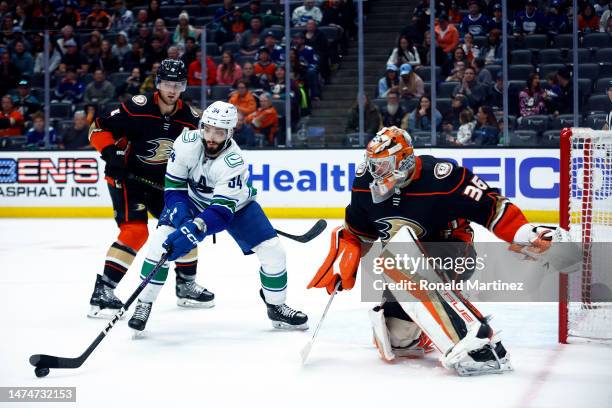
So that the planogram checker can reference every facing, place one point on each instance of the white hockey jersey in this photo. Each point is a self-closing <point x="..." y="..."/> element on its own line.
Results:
<point x="223" y="180"/>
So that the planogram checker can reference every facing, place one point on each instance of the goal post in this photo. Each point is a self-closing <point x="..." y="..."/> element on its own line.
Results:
<point x="585" y="209"/>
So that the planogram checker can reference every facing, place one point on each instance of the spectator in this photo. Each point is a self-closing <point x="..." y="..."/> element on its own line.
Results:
<point x="11" y="121"/>
<point x="136" y="57"/>
<point x="100" y="91"/>
<point x="157" y="53"/>
<point x="228" y="72"/>
<point x="276" y="85"/>
<point x="122" y="18"/>
<point x="404" y="53"/>
<point x="458" y="104"/>
<point x="226" y="20"/>
<point x="142" y="18"/>
<point x="194" y="71"/>
<point x="553" y="90"/>
<point x="393" y="113"/>
<point x="35" y="136"/>
<point x="244" y="135"/>
<point x="91" y="49"/>
<point x="131" y="86"/>
<point x="173" y="52"/>
<point x="70" y="88"/>
<point x="474" y="22"/>
<point x="148" y="85"/>
<point x="529" y="21"/>
<point x="264" y="68"/>
<point x="265" y="119"/>
<point x="556" y="20"/>
<point x="600" y="7"/>
<point x="144" y="36"/>
<point x="372" y="118"/>
<point x="466" y="128"/>
<point x="22" y="59"/>
<point x="98" y="19"/>
<point x="457" y="73"/>
<point x="106" y="61"/>
<point x="153" y="12"/>
<point x="77" y="137"/>
<point x="69" y="16"/>
<point x="565" y="101"/>
<point x="26" y="103"/>
<point x="277" y="53"/>
<point x="251" y="40"/>
<point x="269" y="18"/>
<point x="308" y="11"/>
<point x="183" y="30"/>
<point x="486" y="131"/>
<point x="458" y="55"/>
<point x="189" y="55"/>
<point x="471" y="50"/>
<point x="495" y="23"/>
<point x="389" y="82"/>
<point x="243" y="99"/>
<point x="483" y="75"/>
<point x="532" y="98"/>
<point x="493" y="52"/>
<point x="308" y="55"/>
<point x="474" y="92"/>
<point x="420" y="117"/>
<point x="604" y="20"/>
<point x="341" y="15"/>
<point x="410" y="84"/>
<point x="495" y="96"/>
<point x="317" y="40"/>
<point x="248" y="75"/>
<point x="161" y="33"/>
<point x="121" y="46"/>
<point x="73" y="59"/>
<point x="588" y="21"/>
<point x="447" y="35"/>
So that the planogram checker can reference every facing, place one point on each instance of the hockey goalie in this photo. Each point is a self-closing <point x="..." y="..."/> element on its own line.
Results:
<point x="434" y="201"/>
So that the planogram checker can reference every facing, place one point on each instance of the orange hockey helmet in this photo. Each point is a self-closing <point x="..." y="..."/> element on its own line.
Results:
<point x="390" y="160"/>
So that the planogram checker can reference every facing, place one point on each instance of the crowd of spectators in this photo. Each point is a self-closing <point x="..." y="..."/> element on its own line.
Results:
<point x="469" y="78"/>
<point x="104" y="52"/>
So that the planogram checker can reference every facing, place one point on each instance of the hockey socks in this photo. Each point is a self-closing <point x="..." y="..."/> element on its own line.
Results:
<point x="118" y="260"/>
<point x="274" y="286"/>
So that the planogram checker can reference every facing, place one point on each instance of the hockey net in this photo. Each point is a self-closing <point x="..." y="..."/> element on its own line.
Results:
<point x="585" y="310"/>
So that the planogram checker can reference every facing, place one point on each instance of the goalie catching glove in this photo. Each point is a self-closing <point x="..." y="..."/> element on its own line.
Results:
<point x="345" y="250"/>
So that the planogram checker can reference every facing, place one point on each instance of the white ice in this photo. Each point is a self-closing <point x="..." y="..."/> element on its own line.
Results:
<point x="229" y="356"/>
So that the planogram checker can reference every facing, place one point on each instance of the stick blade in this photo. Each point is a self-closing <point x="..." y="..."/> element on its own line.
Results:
<point x="305" y="352"/>
<point x="315" y="231"/>
<point x="46" y="361"/>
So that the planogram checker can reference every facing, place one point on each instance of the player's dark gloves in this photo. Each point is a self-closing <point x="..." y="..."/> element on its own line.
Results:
<point x="185" y="238"/>
<point x="116" y="167"/>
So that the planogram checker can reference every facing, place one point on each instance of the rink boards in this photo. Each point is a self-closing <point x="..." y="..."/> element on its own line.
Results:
<point x="290" y="183"/>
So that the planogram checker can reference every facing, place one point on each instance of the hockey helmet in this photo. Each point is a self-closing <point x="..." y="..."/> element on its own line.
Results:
<point x="390" y="160"/>
<point x="172" y="70"/>
<point x="221" y="115"/>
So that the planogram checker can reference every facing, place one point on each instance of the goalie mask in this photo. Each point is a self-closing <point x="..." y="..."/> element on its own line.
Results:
<point x="390" y="160"/>
<point x="217" y="126"/>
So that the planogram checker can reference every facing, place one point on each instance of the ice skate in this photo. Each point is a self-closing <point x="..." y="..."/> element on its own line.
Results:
<point x="104" y="303"/>
<point x="190" y="294"/>
<point x="284" y="317"/>
<point x="139" y="319"/>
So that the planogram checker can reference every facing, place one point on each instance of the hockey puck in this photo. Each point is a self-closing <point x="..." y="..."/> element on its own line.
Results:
<point x="41" y="372"/>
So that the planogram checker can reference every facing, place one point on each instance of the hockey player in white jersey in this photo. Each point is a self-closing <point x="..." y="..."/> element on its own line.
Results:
<point x="207" y="190"/>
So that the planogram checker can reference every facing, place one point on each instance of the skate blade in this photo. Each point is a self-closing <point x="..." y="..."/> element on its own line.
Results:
<point x="287" y="326"/>
<point x="194" y="303"/>
<point x="96" y="313"/>
<point x="471" y="369"/>
<point x="416" y="352"/>
<point x="138" y="334"/>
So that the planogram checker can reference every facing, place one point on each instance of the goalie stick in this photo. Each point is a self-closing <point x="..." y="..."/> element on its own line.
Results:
<point x="44" y="362"/>
<point x="308" y="236"/>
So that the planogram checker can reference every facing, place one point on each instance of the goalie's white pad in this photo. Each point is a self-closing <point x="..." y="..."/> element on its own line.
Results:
<point x="395" y="337"/>
<point x="381" y="334"/>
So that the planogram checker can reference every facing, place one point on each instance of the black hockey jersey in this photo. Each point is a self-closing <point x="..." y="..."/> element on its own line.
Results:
<point x="437" y="204"/>
<point x="147" y="135"/>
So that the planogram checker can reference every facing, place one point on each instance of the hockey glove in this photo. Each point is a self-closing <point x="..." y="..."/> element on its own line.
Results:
<point x="532" y="239"/>
<point x="116" y="167"/>
<point x="346" y="249"/>
<point x="185" y="238"/>
<point x="179" y="214"/>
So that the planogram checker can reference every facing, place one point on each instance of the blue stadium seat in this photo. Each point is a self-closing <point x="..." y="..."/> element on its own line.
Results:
<point x="445" y="89"/>
<point x="550" y="56"/>
<point x="596" y="40"/>
<point x="521" y="57"/>
<point x="520" y="71"/>
<point x="523" y="138"/>
<point x="599" y="103"/>
<point x="536" y="41"/>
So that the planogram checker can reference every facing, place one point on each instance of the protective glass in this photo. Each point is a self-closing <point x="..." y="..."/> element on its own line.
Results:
<point x="170" y="86"/>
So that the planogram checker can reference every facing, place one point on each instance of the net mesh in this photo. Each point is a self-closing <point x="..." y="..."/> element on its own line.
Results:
<point x="590" y="222"/>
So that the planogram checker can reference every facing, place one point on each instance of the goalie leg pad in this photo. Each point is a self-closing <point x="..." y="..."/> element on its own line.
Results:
<point x="273" y="272"/>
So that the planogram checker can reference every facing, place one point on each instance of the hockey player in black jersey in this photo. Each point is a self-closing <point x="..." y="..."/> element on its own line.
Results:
<point x="437" y="200"/>
<point x="136" y="140"/>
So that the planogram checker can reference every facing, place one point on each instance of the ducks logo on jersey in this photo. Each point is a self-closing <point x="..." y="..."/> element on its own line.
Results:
<point x="158" y="153"/>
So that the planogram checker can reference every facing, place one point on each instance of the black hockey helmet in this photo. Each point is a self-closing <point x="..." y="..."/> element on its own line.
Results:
<point x="172" y="70"/>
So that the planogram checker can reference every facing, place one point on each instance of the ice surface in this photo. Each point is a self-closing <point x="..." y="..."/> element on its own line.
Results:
<point x="229" y="356"/>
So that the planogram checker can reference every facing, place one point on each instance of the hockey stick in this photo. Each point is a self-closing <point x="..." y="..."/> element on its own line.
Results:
<point x="309" y="235"/>
<point x="44" y="362"/>
<point x="306" y="350"/>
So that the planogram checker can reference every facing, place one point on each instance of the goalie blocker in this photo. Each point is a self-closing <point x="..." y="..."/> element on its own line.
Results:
<point x="399" y="197"/>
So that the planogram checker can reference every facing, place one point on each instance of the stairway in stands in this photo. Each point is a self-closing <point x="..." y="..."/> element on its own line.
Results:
<point x="385" y="20"/>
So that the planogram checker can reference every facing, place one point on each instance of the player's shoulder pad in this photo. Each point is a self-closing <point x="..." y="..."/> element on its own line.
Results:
<point x="138" y="104"/>
<point x="440" y="174"/>
<point x="363" y="178"/>
<point x="188" y="145"/>
<point x="189" y="114"/>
